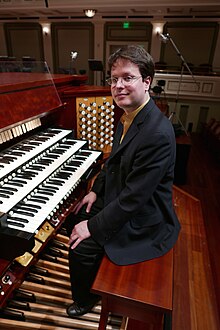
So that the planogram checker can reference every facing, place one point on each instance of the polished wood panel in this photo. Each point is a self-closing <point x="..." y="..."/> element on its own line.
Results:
<point x="141" y="291"/>
<point x="203" y="182"/>
<point x="26" y="95"/>
<point x="194" y="301"/>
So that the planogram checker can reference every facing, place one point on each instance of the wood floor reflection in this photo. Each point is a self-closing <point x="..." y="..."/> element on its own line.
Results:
<point x="203" y="182"/>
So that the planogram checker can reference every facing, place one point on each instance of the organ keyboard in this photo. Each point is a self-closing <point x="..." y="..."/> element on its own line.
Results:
<point x="36" y="175"/>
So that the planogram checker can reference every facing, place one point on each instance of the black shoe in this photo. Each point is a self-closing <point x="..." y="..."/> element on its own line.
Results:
<point x="75" y="310"/>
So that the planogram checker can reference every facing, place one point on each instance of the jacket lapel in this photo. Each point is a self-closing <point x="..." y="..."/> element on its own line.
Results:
<point x="133" y="129"/>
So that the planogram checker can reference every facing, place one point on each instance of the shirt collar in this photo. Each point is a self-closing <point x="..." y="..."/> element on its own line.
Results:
<point x="130" y="116"/>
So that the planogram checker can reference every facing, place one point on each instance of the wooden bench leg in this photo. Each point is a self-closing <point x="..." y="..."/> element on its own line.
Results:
<point x="104" y="315"/>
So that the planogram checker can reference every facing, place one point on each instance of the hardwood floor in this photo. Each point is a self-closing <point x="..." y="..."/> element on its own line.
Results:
<point x="203" y="182"/>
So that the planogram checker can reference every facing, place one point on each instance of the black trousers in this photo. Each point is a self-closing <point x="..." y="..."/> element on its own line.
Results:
<point x="85" y="259"/>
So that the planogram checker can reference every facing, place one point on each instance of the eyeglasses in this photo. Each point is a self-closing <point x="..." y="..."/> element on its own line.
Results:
<point x="126" y="81"/>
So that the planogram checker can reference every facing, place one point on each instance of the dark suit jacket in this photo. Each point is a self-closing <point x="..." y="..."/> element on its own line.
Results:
<point x="138" y="221"/>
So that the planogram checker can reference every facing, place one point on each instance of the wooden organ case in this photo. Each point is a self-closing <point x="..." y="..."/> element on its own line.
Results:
<point x="44" y="171"/>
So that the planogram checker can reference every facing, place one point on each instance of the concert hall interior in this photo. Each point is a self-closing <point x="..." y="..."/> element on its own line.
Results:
<point x="54" y="99"/>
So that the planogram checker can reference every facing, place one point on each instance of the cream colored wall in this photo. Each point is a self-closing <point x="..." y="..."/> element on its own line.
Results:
<point x="193" y="113"/>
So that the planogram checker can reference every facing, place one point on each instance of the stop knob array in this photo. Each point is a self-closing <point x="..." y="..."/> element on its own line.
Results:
<point x="95" y="122"/>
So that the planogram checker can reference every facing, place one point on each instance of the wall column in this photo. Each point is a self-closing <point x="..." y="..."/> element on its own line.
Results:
<point x="155" y="41"/>
<point x="3" y="48"/>
<point x="47" y="45"/>
<point x="99" y="50"/>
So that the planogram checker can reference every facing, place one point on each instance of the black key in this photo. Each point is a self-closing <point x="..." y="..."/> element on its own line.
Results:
<point x="29" y="214"/>
<point x="9" y="188"/>
<point x="85" y="153"/>
<point x="56" y="182"/>
<point x="62" y="175"/>
<point x="44" y="162"/>
<point x="71" y="143"/>
<point x="75" y="162"/>
<point x="17" y="219"/>
<point x="34" y="143"/>
<point x="5" y="191"/>
<point x="37" y="168"/>
<point x="19" y="183"/>
<point x="52" y="190"/>
<point x="9" y="158"/>
<point x="29" y="204"/>
<point x="71" y="169"/>
<point x="49" y="134"/>
<point x="17" y="224"/>
<point x="49" y="161"/>
<point x="4" y="161"/>
<point x="43" y="197"/>
<point x="58" y="151"/>
<point x="23" y="176"/>
<point x="3" y="195"/>
<point x="38" y="200"/>
<point x="26" y="148"/>
<point x="42" y="139"/>
<point x="81" y="157"/>
<point x="15" y="184"/>
<point x="44" y="191"/>
<point x="52" y="156"/>
<point x="17" y="153"/>
<point x="30" y="172"/>
<point x="27" y="208"/>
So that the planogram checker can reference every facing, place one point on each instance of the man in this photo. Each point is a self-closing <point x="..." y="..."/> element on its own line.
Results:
<point x="128" y="214"/>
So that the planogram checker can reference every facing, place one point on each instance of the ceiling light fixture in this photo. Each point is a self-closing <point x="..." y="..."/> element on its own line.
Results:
<point x="90" y="12"/>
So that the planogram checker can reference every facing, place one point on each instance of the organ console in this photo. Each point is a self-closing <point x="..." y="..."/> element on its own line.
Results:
<point x="44" y="171"/>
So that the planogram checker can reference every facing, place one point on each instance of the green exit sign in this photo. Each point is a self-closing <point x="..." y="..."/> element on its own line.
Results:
<point x="126" y="25"/>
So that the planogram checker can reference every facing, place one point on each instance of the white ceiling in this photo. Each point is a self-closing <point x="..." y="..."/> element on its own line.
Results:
<point x="70" y="9"/>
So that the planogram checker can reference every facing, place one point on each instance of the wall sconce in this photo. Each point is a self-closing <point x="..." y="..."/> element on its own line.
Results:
<point x="90" y="12"/>
<point x="46" y="30"/>
<point x="158" y="30"/>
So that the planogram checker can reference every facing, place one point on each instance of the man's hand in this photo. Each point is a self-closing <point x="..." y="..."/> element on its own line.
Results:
<point x="89" y="199"/>
<point x="79" y="233"/>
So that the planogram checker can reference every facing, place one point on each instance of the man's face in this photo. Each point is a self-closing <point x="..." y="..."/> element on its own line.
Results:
<point x="129" y="97"/>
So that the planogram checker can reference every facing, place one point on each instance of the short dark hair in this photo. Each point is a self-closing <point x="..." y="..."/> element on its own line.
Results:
<point x="136" y="54"/>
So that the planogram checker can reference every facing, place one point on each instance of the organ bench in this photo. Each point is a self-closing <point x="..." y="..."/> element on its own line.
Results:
<point x="179" y="284"/>
<point x="142" y="291"/>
